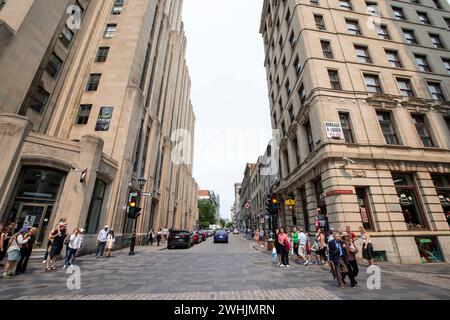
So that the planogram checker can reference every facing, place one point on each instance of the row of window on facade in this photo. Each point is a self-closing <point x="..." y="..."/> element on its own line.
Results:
<point x="408" y="196"/>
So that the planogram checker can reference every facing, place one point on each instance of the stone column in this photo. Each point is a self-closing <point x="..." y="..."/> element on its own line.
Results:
<point x="13" y="131"/>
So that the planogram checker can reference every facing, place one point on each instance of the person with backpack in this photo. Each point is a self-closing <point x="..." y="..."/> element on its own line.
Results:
<point x="25" y="251"/>
<point x="13" y="251"/>
<point x="284" y="248"/>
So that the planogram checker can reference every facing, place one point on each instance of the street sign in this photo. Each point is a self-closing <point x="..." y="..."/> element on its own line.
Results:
<point x="290" y="202"/>
<point x="146" y="194"/>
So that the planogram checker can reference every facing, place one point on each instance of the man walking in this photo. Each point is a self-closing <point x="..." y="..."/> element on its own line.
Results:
<point x="101" y="241"/>
<point x="303" y="241"/>
<point x="337" y="252"/>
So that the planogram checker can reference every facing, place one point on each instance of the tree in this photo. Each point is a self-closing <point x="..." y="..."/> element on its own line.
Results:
<point x="206" y="213"/>
<point x="222" y="223"/>
<point x="229" y="225"/>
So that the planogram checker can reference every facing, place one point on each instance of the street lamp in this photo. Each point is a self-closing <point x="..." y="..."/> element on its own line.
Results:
<point x="141" y="183"/>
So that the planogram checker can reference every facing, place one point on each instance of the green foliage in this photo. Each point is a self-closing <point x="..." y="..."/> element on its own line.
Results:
<point x="207" y="213"/>
<point x="229" y="225"/>
<point x="222" y="223"/>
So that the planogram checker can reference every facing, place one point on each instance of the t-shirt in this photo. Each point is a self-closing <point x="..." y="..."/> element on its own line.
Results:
<point x="295" y="237"/>
<point x="303" y="239"/>
<point x="282" y="238"/>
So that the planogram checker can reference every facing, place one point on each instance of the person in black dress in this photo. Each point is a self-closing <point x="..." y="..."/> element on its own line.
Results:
<point x="25" y="251"/>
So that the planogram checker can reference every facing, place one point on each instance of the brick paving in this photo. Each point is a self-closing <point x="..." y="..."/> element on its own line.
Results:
<point x="234" y="271"/>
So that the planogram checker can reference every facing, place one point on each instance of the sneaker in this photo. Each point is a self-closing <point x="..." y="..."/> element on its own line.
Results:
<point x="281" y="265"/>
<point x="65" y="267"/>
<point x="53" y="268"/>
<point x="306" y="263"/>
<point x="288" y="266"/>
<point x="44" y="261"/>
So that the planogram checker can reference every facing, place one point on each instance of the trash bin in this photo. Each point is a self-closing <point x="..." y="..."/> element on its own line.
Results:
<point x="270" y="245"/>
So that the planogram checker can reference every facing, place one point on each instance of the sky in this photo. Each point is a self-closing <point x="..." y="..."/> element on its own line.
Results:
<point x="225" y="56"/>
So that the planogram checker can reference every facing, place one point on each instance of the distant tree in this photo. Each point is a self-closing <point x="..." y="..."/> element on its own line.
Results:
<point x="206" y="212"/>
<point x="229" y="225"/>
<point x="222" y="223"/>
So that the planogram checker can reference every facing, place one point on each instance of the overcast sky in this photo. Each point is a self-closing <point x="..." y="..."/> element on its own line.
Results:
<point x="225" y="56"/>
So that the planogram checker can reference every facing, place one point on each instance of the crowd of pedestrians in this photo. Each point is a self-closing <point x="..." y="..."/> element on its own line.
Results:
<point x="336" y="250"/>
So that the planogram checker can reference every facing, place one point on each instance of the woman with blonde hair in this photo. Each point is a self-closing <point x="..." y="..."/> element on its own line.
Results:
<point x="367" y="247"/>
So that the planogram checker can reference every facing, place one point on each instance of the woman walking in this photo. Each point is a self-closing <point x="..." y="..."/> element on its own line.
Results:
<point x="16" y="242"/>
<point x="284" y="248"/>
<point x="277" y="246"/>
<point x="73" y="247"/>
<point x="110" y="243"/>
<point x="150" y="237"/>
<point x="350" y="258"/>
<point x="367" y="247"/>
<point x="3" y="242"/>
<point x="158" y="237"/>
<point x="57" y="238"/>
<point x="25" y="251"/>
<point x="321" y="247"/>
<point x="295" y="244"/>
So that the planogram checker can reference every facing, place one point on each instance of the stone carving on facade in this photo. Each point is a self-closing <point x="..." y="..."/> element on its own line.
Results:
<point x="8" y="129"/>
<point x="382" y="100"/>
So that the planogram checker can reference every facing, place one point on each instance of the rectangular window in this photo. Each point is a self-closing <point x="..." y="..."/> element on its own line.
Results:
<point x="314" y="2"/>
<point x="382" y="32"/>
<point x="344" y="118"/>
<point x="364" y="207"/>
<point x="387" y="127"/>
<point x="435" y="91"/>
<point x="288" y="88"/>
<point x="102" y="54"/>
<point x="353" y="27"/>
<point x="334" y="79"/>
<point x="326" y="49"/>
<point x="83" y="114"/>
<point x="436" y="40"/>
<point x="66" y="36"/>
<point x="409" y="36"/>
<point x="372" y="83"/>
<point x="423" y="17"/>
<point x="291" y="113"/>
<point x="292" y="39"/>
<point x="39" y="100"/>
<point x="297" y="66"/>
<point x="447" y="21"/>
<point x="110" y="30"/>
<point x="309" y="137"/>
<point x="437" y="4"/>
<point x="54" y="65"/>
<point x="95" y="208"/>
<point x="447" y="122"/>
<point x="405" y="87"/>
<point x="297" y="153"/>
<point x="2" y="4"/>
<point x="372" y="8"/>
<point x="93" y="82"/>
<point x="394" y="59"/>
<point x="398" y="13"/>
<point x="362" y="54"/>
<point x="104" y="119"/>
<point x="345" y="4"/>
<point x="118" y="6"/>
<point x="422" y="130"/>
<point x="446" y="64"/>
<point x="320" y="23"/>
<point x="302" y="93"/>
<point x="422" y="63"/>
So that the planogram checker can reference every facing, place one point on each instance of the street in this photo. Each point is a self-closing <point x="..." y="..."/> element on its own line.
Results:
<point x="232" y="271"/>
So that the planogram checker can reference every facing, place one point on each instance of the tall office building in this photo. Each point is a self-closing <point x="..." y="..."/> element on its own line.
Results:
<point x="90" y="94"/>
<point x="360" y="92"/>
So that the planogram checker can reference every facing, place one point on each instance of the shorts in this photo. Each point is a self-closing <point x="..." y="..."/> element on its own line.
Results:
<point x="368" y="252"/>
<point x="14" y="255"/>
<point x="55" y="251"/>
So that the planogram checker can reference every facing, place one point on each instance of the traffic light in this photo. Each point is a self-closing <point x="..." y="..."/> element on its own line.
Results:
<point x="272" y="205"/>
<point x="133" y="210"/>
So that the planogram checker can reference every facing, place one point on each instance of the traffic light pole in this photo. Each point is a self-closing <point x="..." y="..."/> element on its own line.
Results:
<point x="133" y="236"/>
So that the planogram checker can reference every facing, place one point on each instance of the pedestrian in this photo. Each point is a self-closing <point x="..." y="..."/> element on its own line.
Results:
<point x="261" y="238"/>
<point x="150" y="237"/>
<point x="25" y="251"/>
<point x="351" y="234"/>
<point x="256" y="238"/>
<point x="367" y="247"/>
<point x="350" y="258"/>
<point x="308" y="247"/>
<point x="57" y="237"/>
<point x="295" y="243"/>
<point x="165" y="234"/>
<point x="277" y="246"/>
<point x="321" y="247"/>
<point x="101" y="241"/>
<point x="284" y="248"/>
<point x="73" y="247"/>
<point x="111" y="239"/>
<point x="6" y="234"/>
<point x="13" y="251"/>
<point x="337" y="254"/>
<point x="302" y="242"/>
<point x="158" y="237"/>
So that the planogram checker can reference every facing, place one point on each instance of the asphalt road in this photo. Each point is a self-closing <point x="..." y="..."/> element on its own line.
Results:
<point x="216" y="271"/>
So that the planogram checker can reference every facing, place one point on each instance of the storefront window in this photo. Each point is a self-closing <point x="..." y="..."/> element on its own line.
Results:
<point x="95" y="209"/>
<point x="305" y="209"/>
<point x="442" y="185"/>
<point x="429" y="249"/>
<point x="407" y="195"/>
<point x="364" y="209"/>
<point x="320" y="196"/>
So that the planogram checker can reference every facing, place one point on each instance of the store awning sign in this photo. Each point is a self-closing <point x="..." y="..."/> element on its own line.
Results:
<point x="333" y="130"/>
<point x="290" y="202"/>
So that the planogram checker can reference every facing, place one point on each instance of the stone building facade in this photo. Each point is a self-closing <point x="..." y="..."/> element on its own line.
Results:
<point x="360" y="92"/>
<point x="95" y="95"/>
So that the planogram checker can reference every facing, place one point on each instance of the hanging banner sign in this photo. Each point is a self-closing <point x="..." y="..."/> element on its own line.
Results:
<point x="337" y="192"/>
<point x="333" y="130"/>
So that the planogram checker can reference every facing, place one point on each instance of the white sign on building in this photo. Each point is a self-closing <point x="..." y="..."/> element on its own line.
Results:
<point x="333" y="130"/>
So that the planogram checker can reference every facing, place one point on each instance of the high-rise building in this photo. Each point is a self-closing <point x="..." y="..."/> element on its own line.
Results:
<point x="360" y="91"/>
<point x="91" y="93"/>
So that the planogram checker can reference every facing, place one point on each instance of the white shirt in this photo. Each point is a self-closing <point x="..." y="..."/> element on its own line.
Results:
<point x="103" y="235"/>
<point x="16" y="243"/>
<point x="75" y="242"/>
<point x="302" y="239"/>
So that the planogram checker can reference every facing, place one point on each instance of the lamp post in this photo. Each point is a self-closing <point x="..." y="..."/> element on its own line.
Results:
<point x="141" y="183"/>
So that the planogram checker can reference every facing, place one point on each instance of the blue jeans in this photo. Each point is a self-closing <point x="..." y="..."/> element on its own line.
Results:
<point x="70" y="253"/>
<point x="100" y="249"/>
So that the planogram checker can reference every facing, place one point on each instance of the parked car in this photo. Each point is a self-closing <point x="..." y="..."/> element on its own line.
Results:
<point x="203" y="234"/>
<point x="197" y="238"/>
<point x="210" y="232"/>
<point x="180" y="238"/>
<point x="221" y="235"/>
<point x="235" y="231"/>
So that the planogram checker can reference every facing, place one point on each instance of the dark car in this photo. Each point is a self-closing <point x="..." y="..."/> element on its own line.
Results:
<point x="221" y="235"/>
<point x="203" y="234"/>
<point x="180" y="238"/>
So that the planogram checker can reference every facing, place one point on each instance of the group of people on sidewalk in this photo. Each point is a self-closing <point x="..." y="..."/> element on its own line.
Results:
<point x="337" y="249"/>
<point x="160" y="236"/>
<point x="17" y="247"/>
